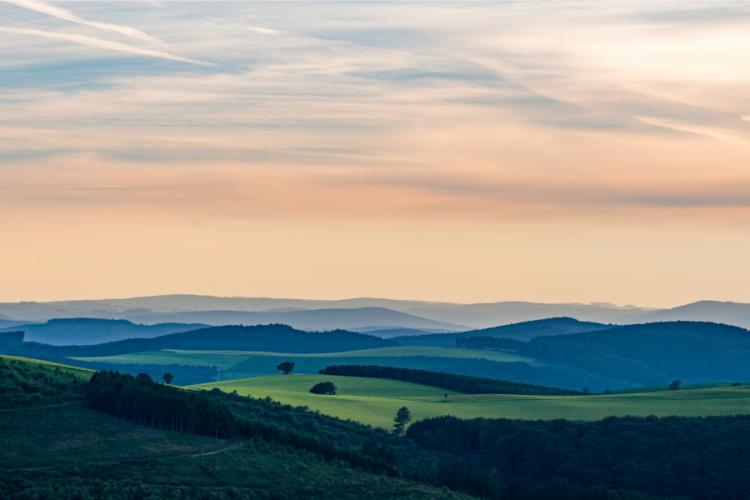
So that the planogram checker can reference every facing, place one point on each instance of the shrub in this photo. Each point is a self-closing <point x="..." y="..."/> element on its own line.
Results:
<point x="324" y="388"/>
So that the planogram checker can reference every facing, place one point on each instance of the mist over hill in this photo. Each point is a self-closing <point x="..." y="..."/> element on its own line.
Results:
<point x="373" y="312"/>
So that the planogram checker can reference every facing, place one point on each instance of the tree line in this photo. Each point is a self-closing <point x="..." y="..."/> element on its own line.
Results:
<point x="701" y="458"/>
<point x="146" y="402"/>
<point x="459" y="383"/>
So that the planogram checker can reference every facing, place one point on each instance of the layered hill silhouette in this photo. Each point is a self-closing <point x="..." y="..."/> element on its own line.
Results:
<point x="429" y="315"/>
<point x="312" y="319"/>
<point x="273" y="338"/>
<point x="641" y="354"/>
<point x="525" y="330"/>
<point x="557" y="352"/>
<point x="86" y="331"/>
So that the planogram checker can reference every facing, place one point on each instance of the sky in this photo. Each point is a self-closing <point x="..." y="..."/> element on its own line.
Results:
<point x="460" y="151"/>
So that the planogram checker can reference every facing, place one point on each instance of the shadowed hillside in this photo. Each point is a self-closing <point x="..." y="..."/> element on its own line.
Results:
<point x="518" y="331"/>
<point x="86" y="331"/>
<point x="280" y="338"/>
<point x="645" y="354"/>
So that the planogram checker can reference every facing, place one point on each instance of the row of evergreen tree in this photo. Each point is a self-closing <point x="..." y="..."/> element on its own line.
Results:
<point x="142" y="400"/>
<point x="699" y="458"/>
<point x="451" y="381"/>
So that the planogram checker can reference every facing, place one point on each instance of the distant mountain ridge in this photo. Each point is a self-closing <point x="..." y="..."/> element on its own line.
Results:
<point x="350" y="318"/>
<point x="421" y="314"/>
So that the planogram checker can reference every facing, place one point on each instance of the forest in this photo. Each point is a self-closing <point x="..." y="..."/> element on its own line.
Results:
<point x="701" y="458"/>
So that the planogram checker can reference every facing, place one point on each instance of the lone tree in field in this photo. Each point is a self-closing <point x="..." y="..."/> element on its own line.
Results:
<point x="675" y="385"/>
<point x="167" y="378"/>
<point x="286" y="367"/>
<point x="328" y="388"/>
<point x="403" y="417"/>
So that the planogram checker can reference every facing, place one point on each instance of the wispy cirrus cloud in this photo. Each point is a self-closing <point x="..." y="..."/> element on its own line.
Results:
<point x="66" y="15"/>
<point x="99" y="43"/>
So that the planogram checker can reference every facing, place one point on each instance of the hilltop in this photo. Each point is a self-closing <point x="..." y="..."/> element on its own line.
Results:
<point x="525" y="330"/>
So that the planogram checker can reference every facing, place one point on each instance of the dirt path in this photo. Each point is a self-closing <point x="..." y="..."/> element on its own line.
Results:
<point x="235" y="446"/>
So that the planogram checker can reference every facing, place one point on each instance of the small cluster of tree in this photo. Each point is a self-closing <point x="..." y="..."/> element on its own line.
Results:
<point x="328" y="388"/>
<point x="460" y="383"/>
<point x="181" y="374"/>
<point x="285" y="367"/>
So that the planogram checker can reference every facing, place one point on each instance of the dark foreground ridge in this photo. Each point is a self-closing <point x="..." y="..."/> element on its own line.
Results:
<point x="149" y="440"/>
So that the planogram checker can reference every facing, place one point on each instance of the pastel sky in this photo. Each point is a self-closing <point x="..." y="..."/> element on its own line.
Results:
<point x="476" y="151"/>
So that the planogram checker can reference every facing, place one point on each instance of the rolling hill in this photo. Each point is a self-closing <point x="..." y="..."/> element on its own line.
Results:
<point x="237" y="364"/>
<point x="88" y="331"/>
<point x="731" y="313"/>
<point x="157" y="309"/>
<point x="60" y="447"/>
<point x="600" y="358"/>
<point x="642" y="354"/>
<point x="374" y="401"/>
<point x="517" y="331"/>
<point x="260" y="338"/>
<point x="313" y="319"/>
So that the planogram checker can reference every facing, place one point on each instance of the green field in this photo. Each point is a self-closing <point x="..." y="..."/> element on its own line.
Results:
<point x="375" y="401"/>
<point x="237" y="364"/>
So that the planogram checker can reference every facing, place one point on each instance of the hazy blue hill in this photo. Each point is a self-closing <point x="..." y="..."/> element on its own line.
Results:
<point x="87" y="331"/>
<point x="9" y="323"/>
<point x="733" y="313"/>
<point x="517" y="331"/>
<point x="313" y="319"/>
<point x="643" y="354"/>
<point x="539" y="328"/>
<point x="272" y="338"/>
<point x="484" y="315"/>
<point x="389" y="333"/>
<point x="478" y="315"/>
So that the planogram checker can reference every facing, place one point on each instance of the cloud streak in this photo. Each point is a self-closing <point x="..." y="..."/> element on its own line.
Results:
<point x="66" y="15"/>
<point x="99" y="43"/>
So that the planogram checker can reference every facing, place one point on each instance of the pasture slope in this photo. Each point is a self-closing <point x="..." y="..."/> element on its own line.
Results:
<point x="82" y="373"/>
<point x="240" y="364"/>
<point x="375" y="401"/>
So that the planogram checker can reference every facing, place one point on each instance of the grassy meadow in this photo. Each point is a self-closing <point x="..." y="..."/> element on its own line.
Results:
<point x="82" y="373"/>
<point x="237" y="364"/>
<point x="375" y="401"/>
